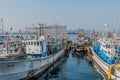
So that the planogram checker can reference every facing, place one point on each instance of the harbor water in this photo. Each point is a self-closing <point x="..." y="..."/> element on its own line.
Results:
<point x="71" y="67"/>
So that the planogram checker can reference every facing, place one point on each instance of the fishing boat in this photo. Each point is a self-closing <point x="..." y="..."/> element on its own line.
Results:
<point x="106" y="54"/>
<point x="11" y="46"/>
<point x="40" y="54"/>
<point x="35" y="62"/>
<point x="87" y="41"/>
<point x="79" y="47"/>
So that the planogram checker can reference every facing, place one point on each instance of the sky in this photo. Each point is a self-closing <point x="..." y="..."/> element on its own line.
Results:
<point x="86" y="14"/>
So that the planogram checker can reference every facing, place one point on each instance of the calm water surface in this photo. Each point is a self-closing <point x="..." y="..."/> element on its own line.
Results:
<point x="72" y="67"/>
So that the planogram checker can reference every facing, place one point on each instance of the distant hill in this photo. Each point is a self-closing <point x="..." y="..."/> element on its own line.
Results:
<point x="78" y="30"/>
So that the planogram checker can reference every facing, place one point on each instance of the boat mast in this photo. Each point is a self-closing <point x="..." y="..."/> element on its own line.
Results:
<point x="2" y="25"/>
<point x="106" y="31"/>
<point x="7" y="41"/>
<point x="40" y="28"/>
<point x="11" y="36"/>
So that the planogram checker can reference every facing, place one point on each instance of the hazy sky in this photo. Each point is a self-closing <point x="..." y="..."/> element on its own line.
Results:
<point x="90" y="14"/>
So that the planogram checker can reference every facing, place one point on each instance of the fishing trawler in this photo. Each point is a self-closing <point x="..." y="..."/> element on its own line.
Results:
<point x="11" y="46"/>
<point x="40" y="54"/>
<point x="79" y="47"/>
<point x="106" y="54"/>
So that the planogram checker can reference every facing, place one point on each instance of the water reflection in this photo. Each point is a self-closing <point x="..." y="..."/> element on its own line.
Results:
<point x="74" y="66"/>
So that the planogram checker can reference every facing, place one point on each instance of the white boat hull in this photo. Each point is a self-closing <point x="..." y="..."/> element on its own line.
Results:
<point x="15" y="70"/>
<point x="105" y="66"/>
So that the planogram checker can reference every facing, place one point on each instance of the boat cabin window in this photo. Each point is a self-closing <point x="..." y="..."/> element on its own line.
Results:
<point x="10" y="51"/>
<point x="1" y="43"/>
<point x="105" y="51"/>
<point x="37" y="43"/>
<point x="15" y="45"/>
<point x="18" y="44"/>
<point x="31" y="43"/>
<point x="34" y="43"/>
